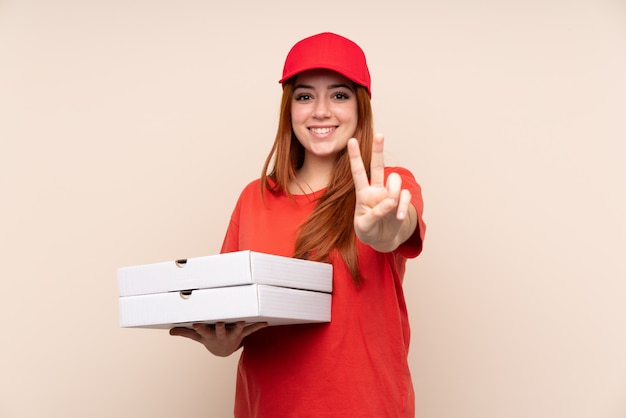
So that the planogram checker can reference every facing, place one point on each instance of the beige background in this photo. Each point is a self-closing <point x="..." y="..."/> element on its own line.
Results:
<point x="128" y="128"/>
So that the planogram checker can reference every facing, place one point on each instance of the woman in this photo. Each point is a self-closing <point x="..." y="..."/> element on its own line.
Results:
<point x="324" y="194"/>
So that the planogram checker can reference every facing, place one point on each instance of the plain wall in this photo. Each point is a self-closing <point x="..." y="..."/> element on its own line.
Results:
<point x="128" y="129"/>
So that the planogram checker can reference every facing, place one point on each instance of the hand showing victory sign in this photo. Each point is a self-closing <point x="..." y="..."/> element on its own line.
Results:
<point x="384" y="217"/>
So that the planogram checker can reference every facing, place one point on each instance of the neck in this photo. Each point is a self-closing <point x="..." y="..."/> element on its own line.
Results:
<point x="314" y="175"/>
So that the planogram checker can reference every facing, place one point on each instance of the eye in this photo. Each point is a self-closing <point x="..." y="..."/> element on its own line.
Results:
<point x="302" y="97"/>
<point x="340" y="95"/>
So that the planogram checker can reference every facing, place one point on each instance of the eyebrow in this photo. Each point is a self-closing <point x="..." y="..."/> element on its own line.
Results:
<point x="329" y="87"/>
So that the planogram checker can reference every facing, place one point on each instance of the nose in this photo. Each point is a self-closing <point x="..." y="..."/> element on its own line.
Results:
<point x="321" y="109"/>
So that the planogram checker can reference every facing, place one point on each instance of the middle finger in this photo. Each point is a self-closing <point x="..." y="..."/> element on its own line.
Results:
<point x="377" y="164"/>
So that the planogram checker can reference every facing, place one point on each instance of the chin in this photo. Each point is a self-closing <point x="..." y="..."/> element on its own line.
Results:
<point x="324" y="152"/>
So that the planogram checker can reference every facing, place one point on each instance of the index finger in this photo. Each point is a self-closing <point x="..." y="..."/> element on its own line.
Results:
<point x="359" y="175"/>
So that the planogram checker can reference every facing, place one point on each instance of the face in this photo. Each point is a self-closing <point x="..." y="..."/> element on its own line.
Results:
<point x="323" y="112"/>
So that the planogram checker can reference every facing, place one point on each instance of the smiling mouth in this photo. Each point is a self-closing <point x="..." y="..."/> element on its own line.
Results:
<point x="322" y="131"/>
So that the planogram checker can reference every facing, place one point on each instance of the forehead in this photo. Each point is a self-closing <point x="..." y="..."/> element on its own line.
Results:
<point x="321" y="77"/>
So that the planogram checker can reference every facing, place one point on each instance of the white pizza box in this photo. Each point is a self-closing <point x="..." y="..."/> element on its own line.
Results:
<point x="250" y="303"/>
<point x="228" y="269"/>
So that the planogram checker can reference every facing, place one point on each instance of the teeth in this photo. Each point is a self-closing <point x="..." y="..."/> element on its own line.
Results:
<point x="321" y="130"/>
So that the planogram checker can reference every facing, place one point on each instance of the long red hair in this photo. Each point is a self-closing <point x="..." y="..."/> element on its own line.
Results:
<point x="331" y="224"/>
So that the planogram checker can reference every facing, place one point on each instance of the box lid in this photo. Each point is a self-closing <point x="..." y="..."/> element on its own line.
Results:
<point x="221" y="270"/>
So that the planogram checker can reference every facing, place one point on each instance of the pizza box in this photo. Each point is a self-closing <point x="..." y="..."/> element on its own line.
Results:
<point x="250" y="303"/>
<point x="228" y="269"/>
<point x="239" y="286"/>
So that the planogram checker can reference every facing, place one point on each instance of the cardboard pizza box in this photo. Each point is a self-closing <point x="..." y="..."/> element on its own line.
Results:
<point x="250" y="303"/>
<point x="228" y="269"/>
<point x="240" y="286"/>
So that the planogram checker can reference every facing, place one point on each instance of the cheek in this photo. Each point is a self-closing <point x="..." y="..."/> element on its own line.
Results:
<point x="349" y="118"/>
<point x="348" y="113"/>
<point x="298" y="114"/>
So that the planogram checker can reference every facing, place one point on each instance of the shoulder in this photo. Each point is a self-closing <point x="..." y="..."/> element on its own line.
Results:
<point x="413" y="246"/>
<point x="256" y="191"/>
<point x="253" y="185"/>
<point x="400" y="170"/>
<point x="251" y="191"/>
<point x="408" y="179"/>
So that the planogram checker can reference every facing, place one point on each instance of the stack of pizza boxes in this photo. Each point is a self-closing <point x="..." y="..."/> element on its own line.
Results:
<point x="240" y="286"/>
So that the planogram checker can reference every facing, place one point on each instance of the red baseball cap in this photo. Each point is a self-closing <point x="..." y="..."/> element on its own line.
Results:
<point x="328" y="51"/>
